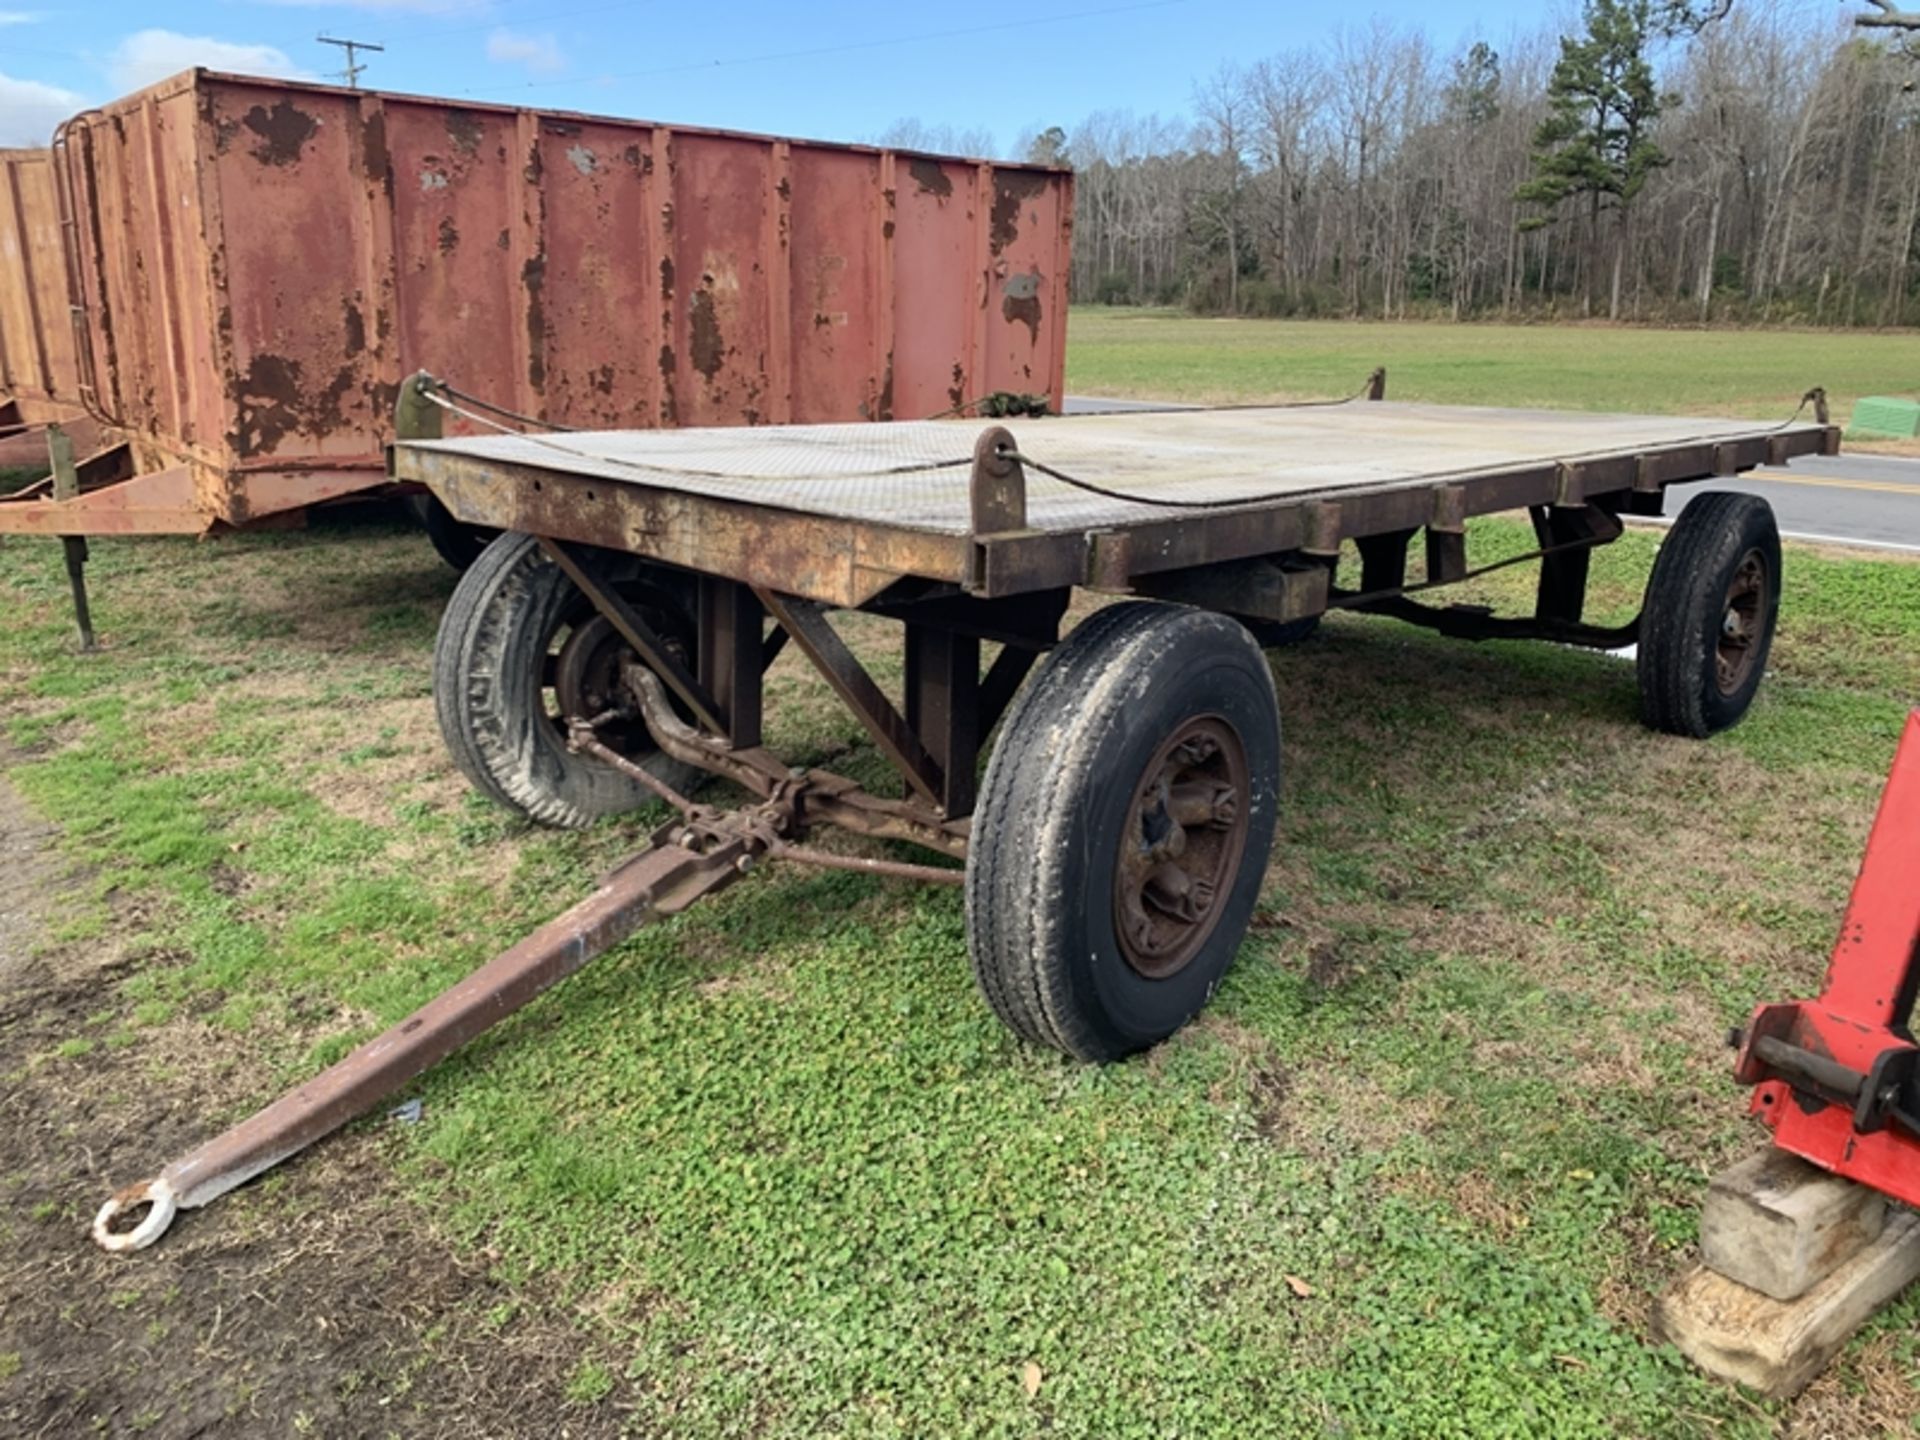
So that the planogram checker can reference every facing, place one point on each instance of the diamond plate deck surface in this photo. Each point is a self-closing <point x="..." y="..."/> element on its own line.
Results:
<point x="914" y="474"/>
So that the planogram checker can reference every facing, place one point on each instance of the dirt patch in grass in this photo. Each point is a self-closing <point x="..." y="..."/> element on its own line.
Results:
<point x="24" y="874"/>
<point x="315" y="1303"/>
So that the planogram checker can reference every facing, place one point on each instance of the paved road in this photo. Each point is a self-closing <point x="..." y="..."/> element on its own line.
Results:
<point x="1870" y="500"/>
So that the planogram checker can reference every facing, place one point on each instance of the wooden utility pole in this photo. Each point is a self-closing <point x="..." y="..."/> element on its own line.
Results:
<point x="352" y="73"/>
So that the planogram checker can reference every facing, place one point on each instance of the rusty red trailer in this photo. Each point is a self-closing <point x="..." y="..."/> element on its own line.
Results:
<point x="233" y="275"/>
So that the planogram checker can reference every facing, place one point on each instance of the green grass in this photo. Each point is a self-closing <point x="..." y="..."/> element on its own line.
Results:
<point x="1419" y="1172"/>
<point x="1759" y="373"/>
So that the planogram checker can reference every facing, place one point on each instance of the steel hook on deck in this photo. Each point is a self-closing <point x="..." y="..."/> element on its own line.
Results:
<point x="158" y="1194"/>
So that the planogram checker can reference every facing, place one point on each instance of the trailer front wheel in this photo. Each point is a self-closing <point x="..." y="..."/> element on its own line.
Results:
<point x="1123" y="829"/>
<point x="520" y="649"/>
<point x="1711" y="606"/>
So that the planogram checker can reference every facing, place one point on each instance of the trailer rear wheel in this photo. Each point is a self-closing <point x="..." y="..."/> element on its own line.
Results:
<point x="1711" y="606"/>
<point x="1123" y="829"/>
<point x="519" y="650"/>
<point x="455" y="541"/>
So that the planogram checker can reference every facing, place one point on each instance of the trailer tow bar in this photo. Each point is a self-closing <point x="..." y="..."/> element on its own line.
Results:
<point x="679" y="868"/>
<point x="702" y="852"/>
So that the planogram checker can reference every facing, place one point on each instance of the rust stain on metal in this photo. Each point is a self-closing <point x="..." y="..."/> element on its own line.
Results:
<point x="449" y="235"/>
<point x="374" y="157"/>
<point x="354" y="326"/>
<point x="284" y="131"/>
<point x="957" y="392"/>
<point x="708" y="346"/>
<point x="464" y="130"/>
<point x="931" y="176"/>
<point x="666" y="277"/>
<point x="669" y="366"/>
<point x="1020" y="302"/>
<point x="534" y="276"/>
<point x="1011" y="190"/>
<point x="266" y="404"/>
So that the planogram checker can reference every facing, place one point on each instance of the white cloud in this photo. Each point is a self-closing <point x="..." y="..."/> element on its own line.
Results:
<point x="17" y="17"/>
<point x="150" y="55"/>
<point x="539" y="53"/>
<point x="30" y="110"/>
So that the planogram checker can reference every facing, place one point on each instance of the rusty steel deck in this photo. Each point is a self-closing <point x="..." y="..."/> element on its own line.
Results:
<point x="847" y="508"/>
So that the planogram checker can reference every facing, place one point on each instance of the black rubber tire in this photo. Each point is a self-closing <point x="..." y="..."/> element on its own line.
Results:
<point x="487" y="682"/>
<point x="1279" y="634"/>
<point x="457" y="543"/>
<point x="1048" y="826"/>
<point x="1686" y="602"/>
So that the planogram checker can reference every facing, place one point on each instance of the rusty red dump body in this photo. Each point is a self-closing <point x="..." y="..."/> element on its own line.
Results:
<point x="251" y="266"/>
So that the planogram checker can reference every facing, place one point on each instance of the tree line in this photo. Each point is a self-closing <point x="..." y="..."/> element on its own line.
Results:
<point x="1746" y="162"/>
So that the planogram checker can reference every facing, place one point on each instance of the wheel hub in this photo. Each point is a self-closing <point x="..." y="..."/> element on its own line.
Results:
<point x="584" y="678"/>
<point x="1180" y="847"/>
<point x="1742" y="621"/>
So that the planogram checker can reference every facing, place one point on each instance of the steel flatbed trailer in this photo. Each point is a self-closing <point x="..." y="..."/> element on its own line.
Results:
<point x="609" y="649"/>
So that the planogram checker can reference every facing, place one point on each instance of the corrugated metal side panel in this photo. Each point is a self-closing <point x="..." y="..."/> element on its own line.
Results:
<point x="599" y="273"/>
<point x="296" y="316"/>
<point x="151" y="273"/>
<point x="36" y="332"/>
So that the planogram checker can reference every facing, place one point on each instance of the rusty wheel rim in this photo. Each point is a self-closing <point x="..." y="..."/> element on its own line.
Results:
<point x="1182" y="838"/>
<point x="1742" y="619"/>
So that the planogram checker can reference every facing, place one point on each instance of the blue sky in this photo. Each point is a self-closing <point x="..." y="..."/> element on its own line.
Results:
<point x="833" y="69"/>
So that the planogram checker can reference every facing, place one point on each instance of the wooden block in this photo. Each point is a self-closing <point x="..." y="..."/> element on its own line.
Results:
<point x="1775" y="1346"/>
<point x="1780" y="1225"/>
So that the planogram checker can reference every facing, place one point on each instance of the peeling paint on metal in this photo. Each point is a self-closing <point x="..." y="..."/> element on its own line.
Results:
<point x="374" y="157"/>
<point x="534" y="276"/>
<point x="582" y="159"/>
<point x="931" y="176"/>
<point x="431" y="180"/>
<point x="283" y="131"/>
<point x="355" y="326"/>
<point x="1011" y="190"/>
<point x="709" y="347"/>
<point x="669" y="366"/>
<point x="464" y="130"/>
<point x="1020" y="302"/>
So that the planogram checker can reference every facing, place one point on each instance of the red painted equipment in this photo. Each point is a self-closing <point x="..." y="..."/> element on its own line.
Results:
<point x="1839" y="1077"/>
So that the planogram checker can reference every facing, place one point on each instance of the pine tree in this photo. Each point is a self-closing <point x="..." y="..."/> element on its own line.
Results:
<point x="1597" y="140"/>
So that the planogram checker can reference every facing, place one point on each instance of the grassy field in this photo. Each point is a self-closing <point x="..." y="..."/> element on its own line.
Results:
<point x="1758" y="373"/>
<point x="773" y="1169"/>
